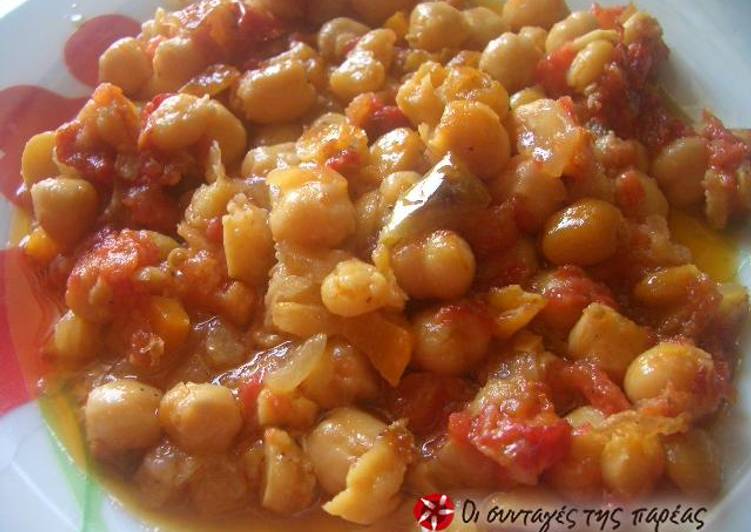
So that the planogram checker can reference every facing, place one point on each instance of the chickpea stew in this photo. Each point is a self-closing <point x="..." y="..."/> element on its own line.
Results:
<point x="319" y="255"/>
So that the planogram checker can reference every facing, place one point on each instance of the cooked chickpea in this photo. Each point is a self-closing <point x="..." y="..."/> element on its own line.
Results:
<point x="418" y="98"/>
<point x="260" y="161"/>
<point x="525" y="96"/>
<point x="380" y="43"/>
<point x="650" y="201"/>
<point x="278" y="93"/>
<point x="337" y="442"/>
<point x="310" y="207"/>
<point x="474" y="133"/>
<point x="640" y="25"/>
<point x="179" y="121"/>
<point x="535" y="34"/>
<point x="632" y="463"/>
<point x="589" y="64"/>
<point x="248" y="244"/>
<point x="668" y="364"/>
<point x="398" y="150"/>
<point x="37" y="160"/>
<point x="468" y="83"/>
<point x="227" y="130"/>
<point x="542" y="13"/>
<point x="608" y="338"/>
<point x="575" y="25"/>
<point x="512" y="60"/>
<point x="667" y="286"/>
<point x="436" y="25"/>
<point x="125" y="64"/>
<point x="336" y="36"/>
<point x="679" y="169"/>
<point x="75" y="339"/>
<point x="176" y="60"/>
<point x="361" y="72"/>
<point x="288" y="482"/>
<point x="65" y="207"/>
<point x="693" y="463"/>
<point x="122" y="416"/>
<point x="584" y="233"/>
<point x="440" y="266"/>
<point x="450" y="340"/>
<point x="579" y="474"/>
<point x="201" y="417"/>
<point x="356" y="287"/>
<point x="585" y="415"/>
<point x="484" y="25"/>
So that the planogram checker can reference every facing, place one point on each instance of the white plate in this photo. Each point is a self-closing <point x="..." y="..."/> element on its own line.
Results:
<point x="40" y="488"/>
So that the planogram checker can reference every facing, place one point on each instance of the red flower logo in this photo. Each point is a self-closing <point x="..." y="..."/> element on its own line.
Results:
<point x="434" y="512"/>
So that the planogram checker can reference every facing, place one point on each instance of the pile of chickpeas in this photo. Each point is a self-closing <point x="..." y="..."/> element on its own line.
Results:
<point x="332" y="258"/>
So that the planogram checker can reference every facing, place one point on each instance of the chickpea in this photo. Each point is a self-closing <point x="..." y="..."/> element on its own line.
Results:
<point x="680" y="169"/>
<point x="583" y="234"/>
<point x="288" y="482"/>
<point x="122" y="416"/>
<point x="632" y="463"/>
<point x="468" y="83"/>
<point x="609" y="339"/>
<point x="65" y="207"/>
<point x="528" y="95"/>
<point x="640" y="25"/>
<point x="484" y="25"/>
<point x="418" y="98"/>
<point x="201" y="417"/>
<point x="227" y="130"/>
<point x="436" y="25"/>
<point x="338" y="441"/>
<point x="336" y="37"/>
<point x="511" y="60"/>
<point x="278" y="93"/>
<point x="176" y="61"/>
<point x="248" y="244"/>
<point x="75" y="339"/>
<point x="375" y="13"/>
<point x="474" y="133"/>
<point x="380" y="43"/>
<point x="310" y="207"/>
<point x="396" y="184"/>
<point x="585" y="415"/>
<point x="652" y="201"/>
<point x="589" y="64"/>
<point x="439" y="266"/>
<point x="260" y="161"/>
<point x="361" y="72"/>
<point x="575" y="25"/>
<point x="668" y="364"/>
<point x="579" y="474"/>
<point x="342" y="376"/>
<point x="693" y="463"/>
<point x="37" y="160"/>
<point x="450" y="340"/>
<point x="180" y="121"/>
<point x="537" y="194"/>
<point x="398" y="150"/>
<point x="542" y="13"/>
<point x="535" y="34"/>
<point x="668" y="286"/>
<point x="356" y="287"/>
<point x="125" y="64"/>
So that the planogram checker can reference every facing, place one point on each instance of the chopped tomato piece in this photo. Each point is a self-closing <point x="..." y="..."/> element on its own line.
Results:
<point x="426" y="400"/>
<point x="596" y="386"/>
<point x="552" y="70"/>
